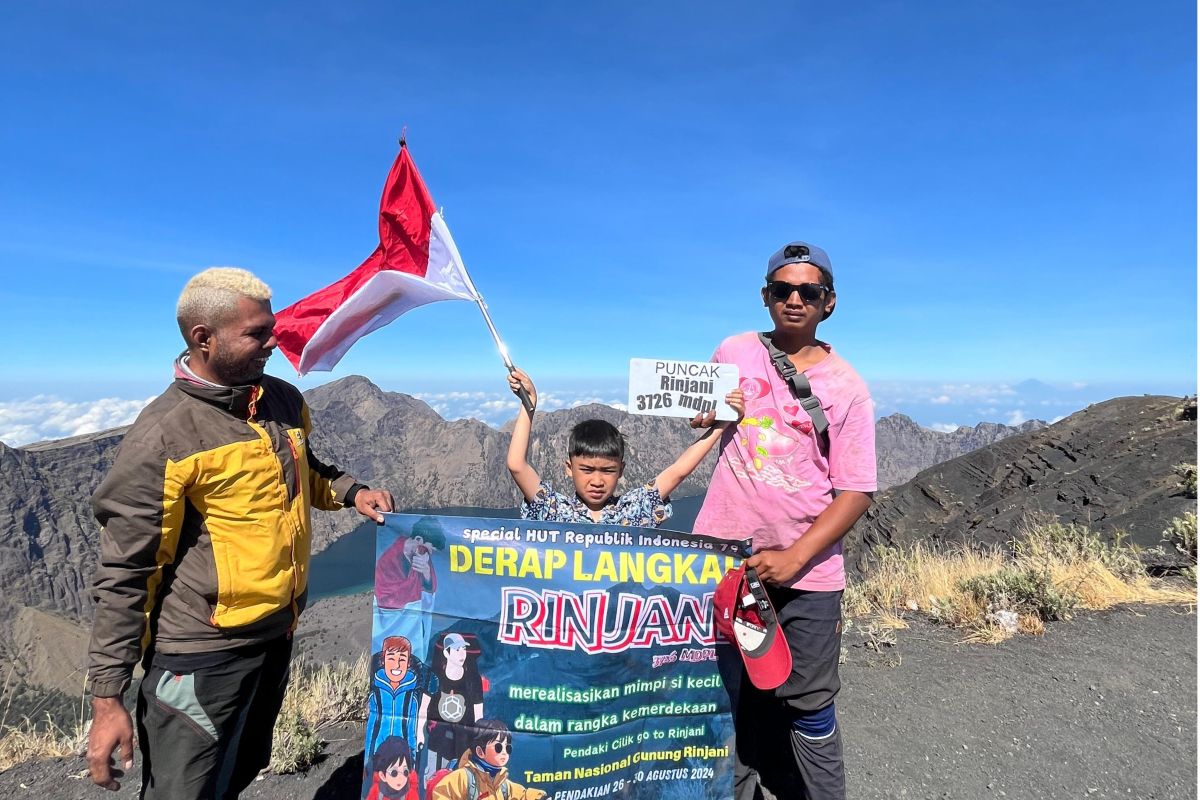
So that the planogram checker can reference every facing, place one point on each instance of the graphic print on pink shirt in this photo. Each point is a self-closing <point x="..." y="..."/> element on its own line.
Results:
<point x="767" y="435"/>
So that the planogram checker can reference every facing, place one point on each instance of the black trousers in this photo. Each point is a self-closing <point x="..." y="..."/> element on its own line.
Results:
<point x="205" y="732"/>
<point x="772" y="760"/>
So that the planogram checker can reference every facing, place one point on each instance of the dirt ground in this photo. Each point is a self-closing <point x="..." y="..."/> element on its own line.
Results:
<point x="1103" y="706"/>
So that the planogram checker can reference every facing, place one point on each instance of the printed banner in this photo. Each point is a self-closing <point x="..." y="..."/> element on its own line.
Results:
<point x="531" y="659"/>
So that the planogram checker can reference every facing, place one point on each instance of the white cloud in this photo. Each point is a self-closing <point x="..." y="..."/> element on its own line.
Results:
<point x="1015" y="417"/>
<point x="944" y="427"/>
<point x="498" y="408"/>
<point x="48" y="417"/>
<point x="905" y="394"/>
<point x="493" y="407"/>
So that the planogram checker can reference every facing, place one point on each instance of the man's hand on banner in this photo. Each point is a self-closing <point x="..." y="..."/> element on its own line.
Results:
<point x="370" y="502"/>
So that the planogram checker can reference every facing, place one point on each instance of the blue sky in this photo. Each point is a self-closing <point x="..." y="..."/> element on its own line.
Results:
<point x="1007" y="190"/>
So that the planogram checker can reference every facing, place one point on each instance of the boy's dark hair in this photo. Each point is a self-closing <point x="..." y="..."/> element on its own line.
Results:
<point x="595" y="438"/>
<point x="489" y="730"/>
<point x="391" y="750"/>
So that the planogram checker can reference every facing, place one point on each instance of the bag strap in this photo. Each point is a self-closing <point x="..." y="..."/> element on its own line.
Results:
<point x="801" y="388"/>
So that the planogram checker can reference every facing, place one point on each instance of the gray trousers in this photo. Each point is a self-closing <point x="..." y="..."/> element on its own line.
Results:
<point x="772" y="760"/>
<point x="205" y="733"/>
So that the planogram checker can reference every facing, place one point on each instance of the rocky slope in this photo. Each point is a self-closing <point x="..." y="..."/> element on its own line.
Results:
<point x="1112" y="467"/>
<point x="48" y="537"/>
<point x="904" y="448"/>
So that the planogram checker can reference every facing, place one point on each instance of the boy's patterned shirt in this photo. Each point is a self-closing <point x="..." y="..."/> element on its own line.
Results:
<point x="642" y="507"/>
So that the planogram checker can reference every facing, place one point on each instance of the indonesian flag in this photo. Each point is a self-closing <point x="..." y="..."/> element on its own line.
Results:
<point x="415" y="263"/>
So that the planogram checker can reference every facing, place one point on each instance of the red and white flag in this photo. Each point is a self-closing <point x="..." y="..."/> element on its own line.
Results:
<point x="415" y="263"/>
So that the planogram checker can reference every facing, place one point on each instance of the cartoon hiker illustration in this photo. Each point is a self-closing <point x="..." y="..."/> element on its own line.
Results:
<point x="400" y="692"/>
<point x="405" y="572"/>
<point x="458" y="701"/>
<point x="482" y="773"/>
<point x="391" y="766"/>
<point x="406" y="585"/>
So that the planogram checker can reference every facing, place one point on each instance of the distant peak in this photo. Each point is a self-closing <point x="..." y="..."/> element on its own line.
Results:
<point x="353" y="381"/>
<point x="1033" y="385"/>
<point x="351" y="385"/>
<point x="898" y="419"/>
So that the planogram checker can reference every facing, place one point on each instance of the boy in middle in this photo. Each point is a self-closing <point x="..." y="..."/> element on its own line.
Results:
<point x="595" y="462"/>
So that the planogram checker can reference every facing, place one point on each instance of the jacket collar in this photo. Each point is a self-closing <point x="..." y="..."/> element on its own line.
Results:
<point x="472" y="762"/>
<point x="237" y="400"/>
<point x="407" y="682"/>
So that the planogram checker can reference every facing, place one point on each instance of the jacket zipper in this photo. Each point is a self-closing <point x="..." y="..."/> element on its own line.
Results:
<point x="252" y="409"/>
<point x="296" y="461"/>
<point x="296" y="498"/>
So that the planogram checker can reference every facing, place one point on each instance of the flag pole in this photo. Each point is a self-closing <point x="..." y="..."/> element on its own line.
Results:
<point x="521" y="393"/>
<point x="487" y="318"/>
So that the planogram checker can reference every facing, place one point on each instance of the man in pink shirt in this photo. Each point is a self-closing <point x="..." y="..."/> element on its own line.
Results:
<point x="796" y="487"/>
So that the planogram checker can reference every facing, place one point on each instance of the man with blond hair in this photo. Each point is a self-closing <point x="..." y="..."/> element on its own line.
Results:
<point x="204" y="554"/>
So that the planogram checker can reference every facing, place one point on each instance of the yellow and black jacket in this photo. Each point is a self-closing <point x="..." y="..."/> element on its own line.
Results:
<point x="205" y="523"/>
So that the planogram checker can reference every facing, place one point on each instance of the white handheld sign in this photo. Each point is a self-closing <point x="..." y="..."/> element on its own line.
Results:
<point x="665" y="388"/>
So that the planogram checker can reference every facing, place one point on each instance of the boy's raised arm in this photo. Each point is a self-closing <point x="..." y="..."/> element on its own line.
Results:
<point x="669" y="479"/>
<point x="526" y="476"/>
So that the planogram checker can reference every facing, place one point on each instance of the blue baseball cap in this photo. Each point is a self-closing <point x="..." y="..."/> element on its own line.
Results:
<point x="799" y="253"/>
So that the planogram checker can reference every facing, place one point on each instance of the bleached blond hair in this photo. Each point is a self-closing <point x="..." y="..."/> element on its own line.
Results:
<point x="210" y="297"/>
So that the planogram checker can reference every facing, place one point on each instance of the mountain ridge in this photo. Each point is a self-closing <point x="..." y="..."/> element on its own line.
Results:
<point x="49" y="539"/>
<point x="1111" y="467"/>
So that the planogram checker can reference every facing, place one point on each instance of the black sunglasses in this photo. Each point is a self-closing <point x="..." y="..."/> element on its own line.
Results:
<point x="809" y="292"/>
<point x="502" y="747"/>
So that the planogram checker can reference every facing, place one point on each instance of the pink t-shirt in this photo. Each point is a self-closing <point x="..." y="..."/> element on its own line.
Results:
<point x="771" y="480"/>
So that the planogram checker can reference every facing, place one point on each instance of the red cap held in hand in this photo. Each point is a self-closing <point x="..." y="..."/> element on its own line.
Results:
<point x="743" y="614"/>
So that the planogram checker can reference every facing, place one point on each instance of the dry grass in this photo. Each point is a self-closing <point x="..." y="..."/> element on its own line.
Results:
<point x="1187" y="478"/>
<point x="32" y="739"/>
<point x="28" y="740"/>
<point x="1181" y="535"/>
<point x="317" y="698"/>
<point x="1051" y="570"/>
